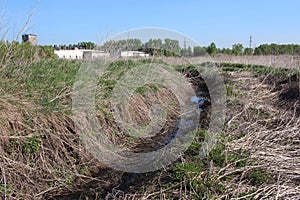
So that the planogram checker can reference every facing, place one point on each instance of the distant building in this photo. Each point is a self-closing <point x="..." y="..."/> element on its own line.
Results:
<point x="80" y="54"/>
<point x="69" y="54"/>
<point x="32" y="38"/>
<point x="92" y="54"/>
<point x="136" y="54"/>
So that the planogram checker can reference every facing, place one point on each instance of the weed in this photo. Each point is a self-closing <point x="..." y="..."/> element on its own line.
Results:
<point x="259" y="176"/>
<point x="229" y="91"/>
<point x="69" y="179"/>
<point x="203" y="185"/>
<point x="146" y="89"/>
<point x="5" y="188"/>
<point x="217" y="155"/>
<point x="258" y="113"/>
<point x="31" y="145"/>
<point x="84" y="171"/>
<point x="187" y="170"/>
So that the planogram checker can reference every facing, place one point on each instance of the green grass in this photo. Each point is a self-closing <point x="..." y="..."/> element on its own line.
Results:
<point x="232" y="67"/>
<point x="259" y="69"/>
<point x="31" y="145"/>
<point x="47" y="82"/>
<point x="259" y="176"/>
<point x="196" y="171"/>
<point x="147" y="89"/>
<point x="189" y="67"/>
<point x="5" y="188"/>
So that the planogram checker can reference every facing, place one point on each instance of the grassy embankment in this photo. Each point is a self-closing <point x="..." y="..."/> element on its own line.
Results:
<point x="42" y="157"/>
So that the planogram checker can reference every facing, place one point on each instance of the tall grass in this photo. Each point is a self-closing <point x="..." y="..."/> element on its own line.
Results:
<point x="47" y="82"/>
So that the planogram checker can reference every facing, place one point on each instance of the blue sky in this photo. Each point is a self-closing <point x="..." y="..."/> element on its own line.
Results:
<point x="219" y="21"/>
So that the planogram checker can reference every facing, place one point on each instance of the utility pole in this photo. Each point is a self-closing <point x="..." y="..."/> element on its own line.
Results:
<point x="250" y="45"/>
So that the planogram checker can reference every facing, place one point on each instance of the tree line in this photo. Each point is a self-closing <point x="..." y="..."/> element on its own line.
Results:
<point x="156" y="47"/>
<point x="170" y="47"/>
<point x="264" y="49"/>
<point x="80" y="45"/>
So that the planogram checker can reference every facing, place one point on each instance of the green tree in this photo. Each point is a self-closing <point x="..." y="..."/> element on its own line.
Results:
<point x="275" y="49"/>
<point x="199" y="51"/>
<point x="86" y="45"/>
<point x="186" y="52"/>
<point x="227" y="51"/>
<point x="263" y="49"/>
<point x="154" y="43"/>
<point x="189" y="51"/>
<point x="183" y="52"/>
<point x="212" y="49"/>
<point x="134" y="44"/>
<point x="237" y="49"/>
<point x="171" y="47"/>
<point x="248" y="51"/>
<point x="297" y="50"/>
<point x="154" y="47"/>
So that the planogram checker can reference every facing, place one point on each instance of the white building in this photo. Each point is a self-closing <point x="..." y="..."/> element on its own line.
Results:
<point x="80" y="54"/>
<point x="69" y="54"/>
<point x="92" y="54"/>
<point x="134" y="54"/>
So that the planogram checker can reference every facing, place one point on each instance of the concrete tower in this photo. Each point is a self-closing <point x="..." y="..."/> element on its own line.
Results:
<point x="30" y="38"/>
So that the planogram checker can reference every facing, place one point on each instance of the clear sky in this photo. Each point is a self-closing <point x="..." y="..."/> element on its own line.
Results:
<point x="224" y="22"/>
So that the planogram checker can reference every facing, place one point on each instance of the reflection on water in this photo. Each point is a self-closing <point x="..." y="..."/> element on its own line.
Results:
<point x="199" y="100"/>
<point x="187" y="123"/>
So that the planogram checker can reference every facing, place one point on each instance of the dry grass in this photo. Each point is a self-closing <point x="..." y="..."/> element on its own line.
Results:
<point x="262" y="134"/>
<point x="270" y="132"/>
<point x="42" y="156"/>
<point x="275" y="61"/>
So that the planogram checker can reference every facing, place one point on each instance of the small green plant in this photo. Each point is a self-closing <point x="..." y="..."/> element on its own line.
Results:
<point x="5" y="188"/>
<point x="69" y="179"/>
<point x="232" y="91"/>
<point x="32" y="165"/>
<point x="229" y="90"/>
<point x="84" y="170"/>
<point x="259" y="176"/>
<point x="207" y="188"/>
<point x="258" y="113"/>
<point x="189" y="169"/>
<point x="218" y="154"/>
<point x="196" y="145"/>
<point x="146" y="89"/>
<point x="31" y="145"/>
<point x="196" y="174"/>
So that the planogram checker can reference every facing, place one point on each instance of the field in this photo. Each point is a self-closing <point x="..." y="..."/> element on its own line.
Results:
<point x="257" y="155"/>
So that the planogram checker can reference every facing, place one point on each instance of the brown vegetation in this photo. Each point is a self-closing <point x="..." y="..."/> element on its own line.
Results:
<point x="42" y="156"/>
